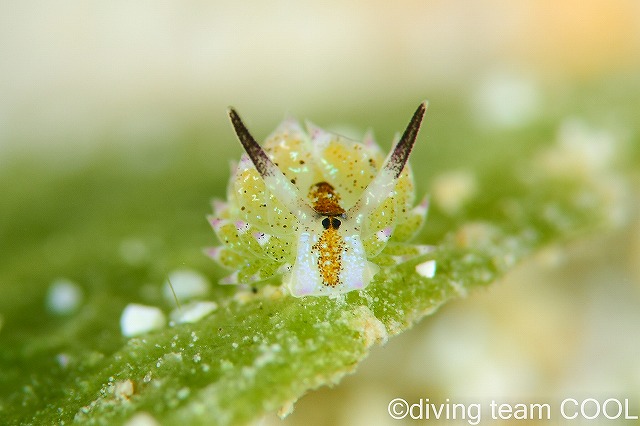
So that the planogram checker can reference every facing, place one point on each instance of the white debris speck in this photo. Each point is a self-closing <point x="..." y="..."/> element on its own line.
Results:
<point x="372" y="329"/>
<point x="187" y="284"/>
<point x="507" y="100"/>
<point x="183" y="393"/>
<point x="286" y="409"/>
<point x="458" y="288"/>
<point x="64" y="297"/>
<point x="453" y="189"/>
<point x="197" y="357"/>
<point x="477" y="235"/>
<point x="142" y="419"/>
<point x="139" y="319"/>
<point x="243" y="297"/>
<point x="426" y="269"/>
<point x="134" y="251"/>
<point x="268" y="355"/>
<point x="172" y="357"/>
<point x="272" y="292"/>
<point x="581" y="150"/>
<point x="124" y="389"/>
<point x="193" y="312"/>
<point x="63" y="360"/>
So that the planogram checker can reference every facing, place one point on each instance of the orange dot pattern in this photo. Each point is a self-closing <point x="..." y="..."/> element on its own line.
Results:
<point x="329" y="247"/>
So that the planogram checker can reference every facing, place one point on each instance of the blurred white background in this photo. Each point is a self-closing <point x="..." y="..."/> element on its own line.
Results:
<point x="71" y="70"/>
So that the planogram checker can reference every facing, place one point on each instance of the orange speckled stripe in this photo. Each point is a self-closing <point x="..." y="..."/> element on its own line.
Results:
<point x="329" y="247"/>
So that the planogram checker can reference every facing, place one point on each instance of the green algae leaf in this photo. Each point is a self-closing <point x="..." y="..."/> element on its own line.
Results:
<point x="259" y="351"/>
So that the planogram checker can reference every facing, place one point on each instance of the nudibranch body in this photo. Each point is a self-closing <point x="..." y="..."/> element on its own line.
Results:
<point x="324" y="211"/>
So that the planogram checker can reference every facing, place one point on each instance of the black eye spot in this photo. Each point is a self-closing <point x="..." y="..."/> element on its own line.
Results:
<point x="326" y="223"/>
<point x="335" y="223"/>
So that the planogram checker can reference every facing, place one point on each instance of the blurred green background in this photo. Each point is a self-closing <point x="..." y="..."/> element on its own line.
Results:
<point x="113" y="134"/>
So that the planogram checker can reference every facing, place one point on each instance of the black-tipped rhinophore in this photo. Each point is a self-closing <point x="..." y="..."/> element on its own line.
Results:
<point x="401" y="151"/>
<point x="275" y="181"/>
<point x="254" y="150"/>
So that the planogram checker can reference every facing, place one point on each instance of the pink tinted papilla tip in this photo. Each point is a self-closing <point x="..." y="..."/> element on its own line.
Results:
<point x="212" y="252"/>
